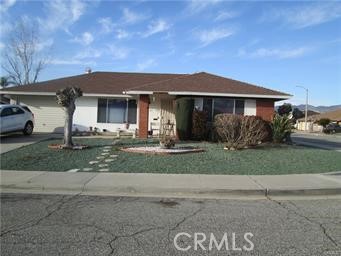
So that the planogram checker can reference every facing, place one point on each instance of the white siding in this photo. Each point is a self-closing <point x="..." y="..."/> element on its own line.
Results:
<point x="48" y="115"/>
<point x="86" y="116"/>
<point x="250" y="108"/>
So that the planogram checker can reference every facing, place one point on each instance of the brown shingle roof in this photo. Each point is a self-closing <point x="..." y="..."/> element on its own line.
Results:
<point x="119" y="82"/>
<point x="207" y="83"/>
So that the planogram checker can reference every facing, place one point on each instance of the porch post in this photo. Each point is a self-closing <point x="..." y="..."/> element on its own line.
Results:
<point x="143" y="116"/>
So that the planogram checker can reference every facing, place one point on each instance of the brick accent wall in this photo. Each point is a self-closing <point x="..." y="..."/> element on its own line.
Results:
<point x="143" y="116"/>
<point x="265" y="108"/>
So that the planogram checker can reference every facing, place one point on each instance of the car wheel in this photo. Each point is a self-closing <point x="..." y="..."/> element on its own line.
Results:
<point x="28" y="128"/>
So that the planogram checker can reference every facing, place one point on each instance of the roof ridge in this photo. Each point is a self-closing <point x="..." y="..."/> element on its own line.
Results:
<point x="153" y="83"/>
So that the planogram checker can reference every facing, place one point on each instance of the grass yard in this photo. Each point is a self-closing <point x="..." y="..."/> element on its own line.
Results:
<point x="282" y="159"/>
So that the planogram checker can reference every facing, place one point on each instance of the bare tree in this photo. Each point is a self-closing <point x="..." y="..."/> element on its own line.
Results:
<point x="22" y="60"/>
<point x="66" y="98"/>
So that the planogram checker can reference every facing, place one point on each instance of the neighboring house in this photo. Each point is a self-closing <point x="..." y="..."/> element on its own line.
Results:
<point x="144" y="100"/>
<point x="312" y="126"/>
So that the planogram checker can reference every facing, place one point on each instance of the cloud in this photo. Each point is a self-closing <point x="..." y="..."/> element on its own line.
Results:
<point x="275" y="53"/>
<point x="118" y="53"/>
<point x="107" y="25"/>
<point x="197" y="6"/>
<point x="70" y="62"/>
<point x="88" y="53"/>
<point x="156" y="26"/>
<point x="305" y="15"/>
<point x="207" y="37"/>
<point x="121" y="34"/>
<point x="6" y="4"/>
<point x="61" y="14"/>
<point x="141" y="66"/>
<point x="85" y="39"/>
<point x="42" y="45"/>
<point x="224" y="15"/>
<point x="130" y="17"/>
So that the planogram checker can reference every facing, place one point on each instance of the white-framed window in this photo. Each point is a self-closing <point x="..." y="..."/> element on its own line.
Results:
<point x="215" y="106"/>
<point x="117" y="111"/>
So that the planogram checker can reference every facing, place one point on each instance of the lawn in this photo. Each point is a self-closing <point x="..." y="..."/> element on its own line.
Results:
<point x="282" y="159"/>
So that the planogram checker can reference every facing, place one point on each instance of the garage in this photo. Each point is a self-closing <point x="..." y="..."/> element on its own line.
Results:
<point x="48" y="115"/>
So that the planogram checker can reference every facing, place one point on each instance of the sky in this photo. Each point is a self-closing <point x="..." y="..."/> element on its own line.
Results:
<point x="279" y="45"/>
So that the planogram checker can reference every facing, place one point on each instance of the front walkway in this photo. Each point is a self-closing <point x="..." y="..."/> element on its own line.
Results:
<point x="170" y="185"/>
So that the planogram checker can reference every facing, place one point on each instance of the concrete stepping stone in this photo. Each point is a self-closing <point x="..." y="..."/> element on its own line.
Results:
<point x="103" y="170"/>
<point x="100" y="157"/>
<point x="87" y="169"/>
<point x="109" y="160"/>
<point x="93" y="162"/>
<point x="106" y="150"/>
<point x="107" y="147"/>
<point x="102" y="165"/>
<point x="73" y="170"/>
<point x="113" y="155"/>
<point x="105" y="154"/>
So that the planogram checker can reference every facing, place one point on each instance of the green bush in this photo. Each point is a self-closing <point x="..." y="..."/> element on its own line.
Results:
<point x="238" y="131"/>
<point x="199" y="125"/>
<point x="281" y="129"/>
<point x="324" y="122"/>
<point x="183" y="116"/>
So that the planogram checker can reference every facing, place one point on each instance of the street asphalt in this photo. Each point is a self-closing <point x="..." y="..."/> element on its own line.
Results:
<point x="324" y="141"/>
<point x="92" y="225"/>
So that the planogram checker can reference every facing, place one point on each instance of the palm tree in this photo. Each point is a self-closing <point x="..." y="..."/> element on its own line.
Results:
<point x="66" y="98"/>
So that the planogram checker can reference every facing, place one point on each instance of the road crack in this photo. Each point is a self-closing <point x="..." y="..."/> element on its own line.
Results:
<point x="320" y="225"/>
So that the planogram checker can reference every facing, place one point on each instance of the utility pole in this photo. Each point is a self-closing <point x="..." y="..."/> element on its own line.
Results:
<point x="306" y="107"/>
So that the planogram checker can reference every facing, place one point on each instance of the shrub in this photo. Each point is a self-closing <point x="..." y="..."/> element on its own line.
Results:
<point x="199" y="125"/>
<point x="324" y="122"/>
<point x="183" y="116"/>
<point x="281" y="128"/>
<point x="240" y="131"/>
<point x="285" y="109"/>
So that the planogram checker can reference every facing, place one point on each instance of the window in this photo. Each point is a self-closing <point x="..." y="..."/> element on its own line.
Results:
<point x="6" y="112"/>
<point x="217" y="106"/>
<point x="207" y="106"/>
<point x="221" y="106"/>
<point x="17" y="111"/>
<point x="239" y="107"/>
<point x="116" y="111"/>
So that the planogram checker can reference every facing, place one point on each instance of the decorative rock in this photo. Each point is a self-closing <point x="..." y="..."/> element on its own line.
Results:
<point x="93" y="162"/>
<point x="109" y="160"/>
<point x="102" y="165"/>
<point x="73" y="170"/>
<point x="103" y="170"/>
<point x="87" y="169"/>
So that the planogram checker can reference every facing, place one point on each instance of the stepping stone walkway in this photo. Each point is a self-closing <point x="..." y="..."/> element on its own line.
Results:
<point x="106" y="150"/>
<point x="100" y="157"/>
<point x="93" y="162"/>
<point x="109" y="160"/>
<point x="87" y="169"/>
<point x="113" y="155"/>
<point x="103" y="170"/>
<point x="105" y="154"/>
<point x="107" y="147"/>
<point x="102" y="165"/>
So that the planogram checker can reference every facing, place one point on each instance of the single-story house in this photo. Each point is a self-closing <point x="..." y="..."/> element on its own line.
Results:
<point x="312" y="125"/>
<point x="143" y="100"/>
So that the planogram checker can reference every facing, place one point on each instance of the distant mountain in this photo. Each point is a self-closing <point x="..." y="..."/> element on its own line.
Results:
<point x="320" y="109"/>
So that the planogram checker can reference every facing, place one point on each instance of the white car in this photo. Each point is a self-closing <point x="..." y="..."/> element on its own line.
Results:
<point x="16" y="118"/>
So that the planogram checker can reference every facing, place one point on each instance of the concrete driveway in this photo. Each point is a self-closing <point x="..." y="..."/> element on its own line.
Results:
<point x="13" y="141"/>
<point x="324" y="141"/>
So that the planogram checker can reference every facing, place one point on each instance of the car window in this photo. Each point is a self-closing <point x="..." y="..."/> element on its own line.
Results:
<point x="26" y="108"/>
<point x="17" y="111"/>
<point x="6" y="112"/>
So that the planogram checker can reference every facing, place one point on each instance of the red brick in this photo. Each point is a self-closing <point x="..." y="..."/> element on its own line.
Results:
<point x="143" y="116"/>
<point x="265" y="109"/>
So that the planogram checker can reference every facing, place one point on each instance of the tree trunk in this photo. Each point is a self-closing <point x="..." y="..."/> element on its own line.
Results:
<point x="68" y="126"/>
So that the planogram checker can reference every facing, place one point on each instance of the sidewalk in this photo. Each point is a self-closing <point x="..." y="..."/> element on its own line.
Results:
<point x="170" y="185"/>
